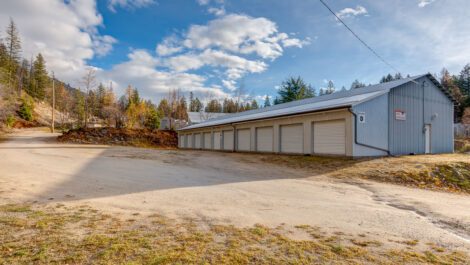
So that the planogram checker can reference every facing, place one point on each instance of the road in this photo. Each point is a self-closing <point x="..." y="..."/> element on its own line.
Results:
<point x="224" y="188"/>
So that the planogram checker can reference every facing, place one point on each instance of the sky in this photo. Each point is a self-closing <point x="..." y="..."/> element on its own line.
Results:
<point x="213" y="47"/>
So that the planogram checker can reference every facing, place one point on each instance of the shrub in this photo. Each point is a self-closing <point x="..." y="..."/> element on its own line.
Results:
<point x="10" y="120"/>
<point x="26" y="108"/>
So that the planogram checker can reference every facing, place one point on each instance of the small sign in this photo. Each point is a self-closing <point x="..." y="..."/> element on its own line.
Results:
<point x="362" y="117"/>
<point x="400" y="115"/>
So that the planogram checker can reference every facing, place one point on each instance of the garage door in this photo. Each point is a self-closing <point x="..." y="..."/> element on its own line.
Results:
<point x="243" y="140"/>
<point x="180" y="141"/>
<point x="217" y="140"/>
<point x="197" y="141"/>
<point x="329" y="137"/>
<point x="264" y="139"/>
<point x="228" y="140"/>
<point x="207" y="141"/>
<point x="292" y="138"/>
<point x="190" y="141"/>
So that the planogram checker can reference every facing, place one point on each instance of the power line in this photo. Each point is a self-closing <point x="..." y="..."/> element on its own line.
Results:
<point x="359" y="38"/>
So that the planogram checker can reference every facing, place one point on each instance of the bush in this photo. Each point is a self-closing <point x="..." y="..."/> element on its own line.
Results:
<point x="10" y="120"/>
<point x="152" y="120"/>
<point x="26" y="108"/>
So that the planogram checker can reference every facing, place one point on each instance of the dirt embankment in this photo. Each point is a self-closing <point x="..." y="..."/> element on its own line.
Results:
<point x="126" y="137"/>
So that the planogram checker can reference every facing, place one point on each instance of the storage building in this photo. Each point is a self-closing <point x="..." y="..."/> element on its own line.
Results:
<point x="407" y="116"/>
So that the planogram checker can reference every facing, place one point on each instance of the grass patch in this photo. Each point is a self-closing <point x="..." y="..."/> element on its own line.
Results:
<point x="51" y="235"/>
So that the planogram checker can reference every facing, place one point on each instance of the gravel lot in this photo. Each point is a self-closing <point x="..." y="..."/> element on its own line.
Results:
<point x="224" y="188"/>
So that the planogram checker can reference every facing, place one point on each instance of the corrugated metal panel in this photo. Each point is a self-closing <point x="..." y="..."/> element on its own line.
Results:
<point x="217" y="139"/>
<point x="227" y="140"/>
<point x="292" y="138"/>
<point x="373" y="130"/>
<point x="329" y="137"/>
<point x="207" y="141"/>
<point x="264" y="139"/>
<point x="197" y="141"/>
<point x="180" y="141"/>
<point x="407" y="136"/>
<point x="243" y="140"/>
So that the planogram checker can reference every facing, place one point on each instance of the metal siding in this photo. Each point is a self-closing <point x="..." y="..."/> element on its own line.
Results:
<point x="207" y="141"/>
<point x="197" y="141"/>
<point x="374" y="131"/>
<point x="190" y="141"/>
<point x="217" y="138"/>
<point x="408" y="136"/>
<point x="227" y="140"/>
<point x="292" y="138"/>
<point x="264" y="139"/>
<point x="243" y="140"/>
<point x="329" y="137"/>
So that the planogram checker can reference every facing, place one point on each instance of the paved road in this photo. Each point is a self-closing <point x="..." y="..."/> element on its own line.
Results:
<point x="223" y="188"/>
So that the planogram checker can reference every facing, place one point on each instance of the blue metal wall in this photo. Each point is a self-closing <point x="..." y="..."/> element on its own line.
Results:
<point x="374" y="131"/>
<point x="423" y="105"/>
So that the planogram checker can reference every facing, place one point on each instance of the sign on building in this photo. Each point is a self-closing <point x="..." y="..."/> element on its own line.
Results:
<point x="400" y="115"/>
<point x="362" y="117"/>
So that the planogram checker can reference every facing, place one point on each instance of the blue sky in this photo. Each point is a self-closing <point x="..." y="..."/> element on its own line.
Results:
<point x="212" y="46"/>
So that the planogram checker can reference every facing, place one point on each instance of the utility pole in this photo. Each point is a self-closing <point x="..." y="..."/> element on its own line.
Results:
<point x="53" y="102"/>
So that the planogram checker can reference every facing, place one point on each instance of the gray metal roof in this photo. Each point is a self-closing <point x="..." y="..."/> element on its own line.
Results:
<point x="340" y="99"/>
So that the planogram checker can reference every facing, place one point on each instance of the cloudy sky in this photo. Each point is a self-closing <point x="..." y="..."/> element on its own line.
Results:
<point x="213" y="46"/>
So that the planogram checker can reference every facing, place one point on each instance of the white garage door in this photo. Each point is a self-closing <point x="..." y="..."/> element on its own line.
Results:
<point x="292" y="138"/>
<point x="243" y="140"/>
<point x="207" y="141"/>
<point x="329" y="137"/>
<point x="197" y="141"/>
<point x="217" y="140"/>
<point x="264" y="139"/>
<point x="180" y="141"/>
<point x="190" y="141"/>
<point x="228" y="140"/>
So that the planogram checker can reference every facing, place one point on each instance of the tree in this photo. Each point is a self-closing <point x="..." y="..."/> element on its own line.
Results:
<point x="13" y="46"/>
<point x="464" y="80"/>
<point x="89" y="82"/>
<point x="164" y="108"/>
<point x="295" y="89"/>
<point x="357" y="84"/>
<point x="41" y="78"/>
<point x="26" y="108"/>
<point x="213" y="106"/>
<point x="254" y="104"/>
<point x="330" y="89"/>
<point x="153" y="117"/>
<point x="267" y="101"/>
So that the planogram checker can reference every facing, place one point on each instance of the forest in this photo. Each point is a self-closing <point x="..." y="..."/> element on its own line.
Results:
<point x="26" y="81"/>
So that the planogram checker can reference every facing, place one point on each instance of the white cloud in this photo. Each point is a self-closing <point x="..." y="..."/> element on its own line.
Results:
<point x="230" y="84"/>
<point x="238" y="33"/>
<point x="351" y="12"/>
<point x="206" y="2"/>
<point x="128" y="4"/>
<point x="423" y="3"/>
<point x="65" y="32"/>
<point x="169" y="46"/>
<point x="217" y="11"/>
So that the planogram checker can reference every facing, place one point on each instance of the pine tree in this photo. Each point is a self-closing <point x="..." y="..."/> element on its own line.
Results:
<point x="41" y="79"/>
<point x="330" y="89"/>
<point x="295" y="89"/>
<point x="267" y="101"/>
<point x="464" y="80"/>
<point x="254" y="104"/>
<point x="13" y="48"/>
<point x="357" y="84"/>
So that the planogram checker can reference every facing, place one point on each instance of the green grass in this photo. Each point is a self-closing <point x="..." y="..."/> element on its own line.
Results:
<point x="81" y="235"/>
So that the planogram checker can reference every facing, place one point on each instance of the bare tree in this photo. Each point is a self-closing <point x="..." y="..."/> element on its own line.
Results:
<point x="89" y="82"/>
<point x="239" y="94"/>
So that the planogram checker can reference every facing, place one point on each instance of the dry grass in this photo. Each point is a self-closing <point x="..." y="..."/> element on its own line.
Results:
<point x="447" y="172"/>
<point x="61" y="235"/>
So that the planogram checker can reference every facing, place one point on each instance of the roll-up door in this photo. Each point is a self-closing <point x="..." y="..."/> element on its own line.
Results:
<point x="217" y="140"/>
<point x="185" y="141"/>
<point x="292" y="138"/>
<point x="243" y="140"/>
<point x="197" y="141"/>
<point x="228" y="140"/>
<point x="207" y="141"/>
<point x="329" y="137"/>
<point x="264" y="139"/>
<point x="180" y="141"/>
<point x="190" y="141"/>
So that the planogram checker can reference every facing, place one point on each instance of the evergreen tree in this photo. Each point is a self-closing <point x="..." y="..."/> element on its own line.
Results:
<point x="330" y="89"/>
<point x="41" y="79"/>
<point x="295" y="89"/>
<point x="357" y="84"/>
<point x="213" y="106"/>
<point x="276" y="101"/>
<point x="254" y="104"/>
<point x="153" y="117"/>
<point x="13" y="49"/>
<point x="464" y="80"/>
<point x="267" y="101"/>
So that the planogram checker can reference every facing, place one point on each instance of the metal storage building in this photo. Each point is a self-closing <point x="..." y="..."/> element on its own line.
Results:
<point x="407" y="116"/>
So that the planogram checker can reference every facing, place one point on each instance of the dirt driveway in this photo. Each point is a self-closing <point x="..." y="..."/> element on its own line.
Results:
<point x="224" y="188"/>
